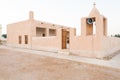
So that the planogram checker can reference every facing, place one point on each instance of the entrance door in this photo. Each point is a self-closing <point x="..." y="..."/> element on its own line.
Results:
<point x="64" y="39"/>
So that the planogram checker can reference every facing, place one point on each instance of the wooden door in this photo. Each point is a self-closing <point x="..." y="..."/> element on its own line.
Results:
<point x="64" y="38"/>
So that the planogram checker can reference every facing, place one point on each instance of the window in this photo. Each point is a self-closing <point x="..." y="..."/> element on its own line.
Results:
<point x="26" y="39"/>
<point x="52" y="32"/>
<point x="40" y="32"/>
<point x="20" y="39"/>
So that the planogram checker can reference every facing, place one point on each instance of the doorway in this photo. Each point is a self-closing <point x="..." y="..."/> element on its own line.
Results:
<point x="65" y="39"/>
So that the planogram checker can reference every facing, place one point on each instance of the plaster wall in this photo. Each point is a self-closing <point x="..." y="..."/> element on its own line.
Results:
<point x="88" y="46"/>
<point x="110" y="45"/>
<point x="46" y="25"/>
<point x="19" y="29"/>
<point x="49" y="43"/>
<point x="28" y="27"/>
<point x="93" y="46"/>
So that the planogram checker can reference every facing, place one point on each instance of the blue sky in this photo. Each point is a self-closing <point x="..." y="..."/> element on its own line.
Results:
<point x="64" y="12"/>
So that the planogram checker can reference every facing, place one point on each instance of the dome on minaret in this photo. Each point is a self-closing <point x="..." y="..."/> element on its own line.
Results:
<point x="94" y="11"/>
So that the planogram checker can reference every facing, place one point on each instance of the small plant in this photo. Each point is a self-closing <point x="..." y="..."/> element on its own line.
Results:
<point x="116" y="35"/>
<point x="4" y="35"/>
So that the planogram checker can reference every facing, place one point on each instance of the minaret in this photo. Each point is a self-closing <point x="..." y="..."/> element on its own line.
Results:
<point x="100" y="27"/>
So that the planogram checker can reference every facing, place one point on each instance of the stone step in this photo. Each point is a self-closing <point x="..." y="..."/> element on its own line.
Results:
<point x="64" y="51"/>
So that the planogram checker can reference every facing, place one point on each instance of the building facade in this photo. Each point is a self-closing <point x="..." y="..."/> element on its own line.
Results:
<point x="39" y="35"/>
<point x="93" y="41"/>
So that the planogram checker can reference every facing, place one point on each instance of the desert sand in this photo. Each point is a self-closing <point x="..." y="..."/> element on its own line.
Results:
<point x="17" y="65"/>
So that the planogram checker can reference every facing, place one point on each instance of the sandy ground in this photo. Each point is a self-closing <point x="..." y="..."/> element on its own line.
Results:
<point x="16" y="65"/>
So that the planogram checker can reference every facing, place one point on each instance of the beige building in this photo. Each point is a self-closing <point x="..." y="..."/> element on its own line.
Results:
<point x="93" y="41"/>
<point x="39" y="35"/>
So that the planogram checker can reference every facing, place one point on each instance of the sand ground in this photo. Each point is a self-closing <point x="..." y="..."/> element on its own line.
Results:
<point x="17" y="65"/>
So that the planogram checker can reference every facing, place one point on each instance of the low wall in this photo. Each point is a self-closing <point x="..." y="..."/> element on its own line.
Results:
<point x="110" y="45"/>
<point x="46" y="43"/>
<point x="87" y="46"/>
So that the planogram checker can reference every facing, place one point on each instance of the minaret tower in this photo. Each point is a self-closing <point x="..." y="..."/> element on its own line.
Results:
<point x="88" y="23"/>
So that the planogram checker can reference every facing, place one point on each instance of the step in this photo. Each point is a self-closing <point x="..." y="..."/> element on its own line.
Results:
<point x="66" y="52"/>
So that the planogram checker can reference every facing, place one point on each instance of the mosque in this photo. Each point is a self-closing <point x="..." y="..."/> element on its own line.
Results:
<point x="39" y="35"/>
